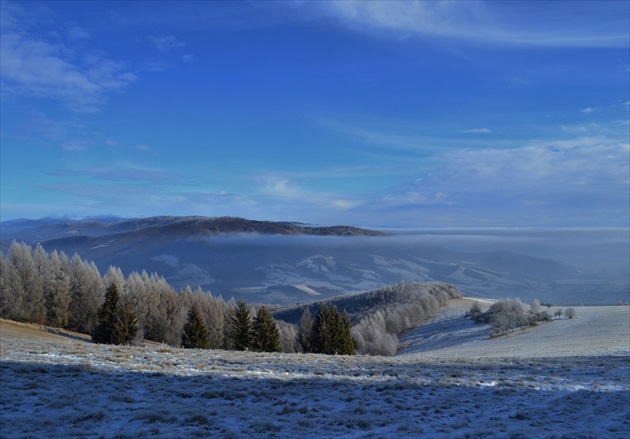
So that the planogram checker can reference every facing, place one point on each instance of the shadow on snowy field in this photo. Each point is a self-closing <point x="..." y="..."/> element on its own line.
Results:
<point x="437" y="400"/>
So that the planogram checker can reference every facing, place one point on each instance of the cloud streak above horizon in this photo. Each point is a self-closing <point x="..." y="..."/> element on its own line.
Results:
<point x="559" y="24"/>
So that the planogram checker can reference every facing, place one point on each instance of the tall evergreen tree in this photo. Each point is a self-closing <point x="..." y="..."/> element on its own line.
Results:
<point x="323" y="331"/>
<point x="240" y="326"/>
<point x="105" y="330"/>
<point x="195" y="334"/>
<point x="265" y="333"/>
<point x="346" y="343"/>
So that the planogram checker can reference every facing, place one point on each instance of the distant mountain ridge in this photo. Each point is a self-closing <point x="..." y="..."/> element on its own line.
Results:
<point x="46" y="230"/>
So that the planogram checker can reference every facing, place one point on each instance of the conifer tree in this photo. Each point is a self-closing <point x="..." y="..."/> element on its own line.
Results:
<point x="105" y="330"/>
<point x="265" y="333"/>
<point x="195" y="334"/>
<point x="346" y="343"/>
<point x="240" y="326"/>
<point x="324" y="331"/>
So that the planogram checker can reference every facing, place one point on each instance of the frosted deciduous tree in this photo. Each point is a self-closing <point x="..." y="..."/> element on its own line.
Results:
<point x="11" y="291"/>
<point x="57" y="290"/>
<point x="86" y="292"/>
<point x="216" y="323"/>
<point x="32" y="307"/>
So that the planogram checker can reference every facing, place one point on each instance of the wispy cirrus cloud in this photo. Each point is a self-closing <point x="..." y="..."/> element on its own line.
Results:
<point x="280" y="190"/>
<point x="580" y="181"/>
<point x="560" y="24"/>
<point x="38" y="63"/>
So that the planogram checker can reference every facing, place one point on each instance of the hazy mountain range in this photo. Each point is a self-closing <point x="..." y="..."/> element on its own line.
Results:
<point x="285" y="262"/>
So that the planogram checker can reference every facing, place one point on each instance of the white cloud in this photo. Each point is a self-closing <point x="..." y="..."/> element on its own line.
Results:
<point x="596" y="24"/>
<point x="281" y="191"/>
<point x="188" y="57"/>
<point x="589" y="110"/>
<point x="581" y="181"/>
<point x="35" y="64"/>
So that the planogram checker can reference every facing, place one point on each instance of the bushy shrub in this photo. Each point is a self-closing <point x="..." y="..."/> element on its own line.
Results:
<point x="507" y="315"/>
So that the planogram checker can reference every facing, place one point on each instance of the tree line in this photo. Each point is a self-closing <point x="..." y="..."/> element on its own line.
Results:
<point x="51" y="289"/>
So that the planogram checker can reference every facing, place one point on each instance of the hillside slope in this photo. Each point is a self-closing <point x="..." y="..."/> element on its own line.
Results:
<point x="595" y="331"/>
<point x="60" y="386"/>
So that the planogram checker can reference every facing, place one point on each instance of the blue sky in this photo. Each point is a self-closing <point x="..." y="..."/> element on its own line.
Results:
<point x="411" y="114"/>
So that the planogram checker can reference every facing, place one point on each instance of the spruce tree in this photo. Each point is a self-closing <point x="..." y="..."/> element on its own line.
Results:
<point x="323" y="331"/>
<point x="240" y="326"/>
<point x="265" y="333"/>
<point x="195" y="334"/>
<point x="346" y="343"/>
<point x="105" y="330"/>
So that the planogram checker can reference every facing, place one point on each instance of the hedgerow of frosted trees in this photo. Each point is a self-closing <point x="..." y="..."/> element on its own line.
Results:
<point x="507" y="315"/>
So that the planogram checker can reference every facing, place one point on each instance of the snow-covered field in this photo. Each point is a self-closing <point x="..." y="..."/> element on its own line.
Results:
<point x="62" y="385"/>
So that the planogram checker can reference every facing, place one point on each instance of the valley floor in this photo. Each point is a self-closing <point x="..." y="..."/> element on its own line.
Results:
<point x="62" y="385"/>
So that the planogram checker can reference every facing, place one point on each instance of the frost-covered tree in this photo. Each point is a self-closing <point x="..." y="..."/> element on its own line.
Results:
<point x="195" y="335"/>
<point x="534" y="307"/>
<point x="475" y="312"/>
<point x="241" y="326"/>
<point x="57" y="290"/>
<point x="216" y="323"/>
<point x="569" y="313"/>
<point x="372" y="337"/>
<point x="11" y="291"/>
<point x="86" y="292"/>
<point x="288" y="337"/>
<point x="32" y="308"/>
